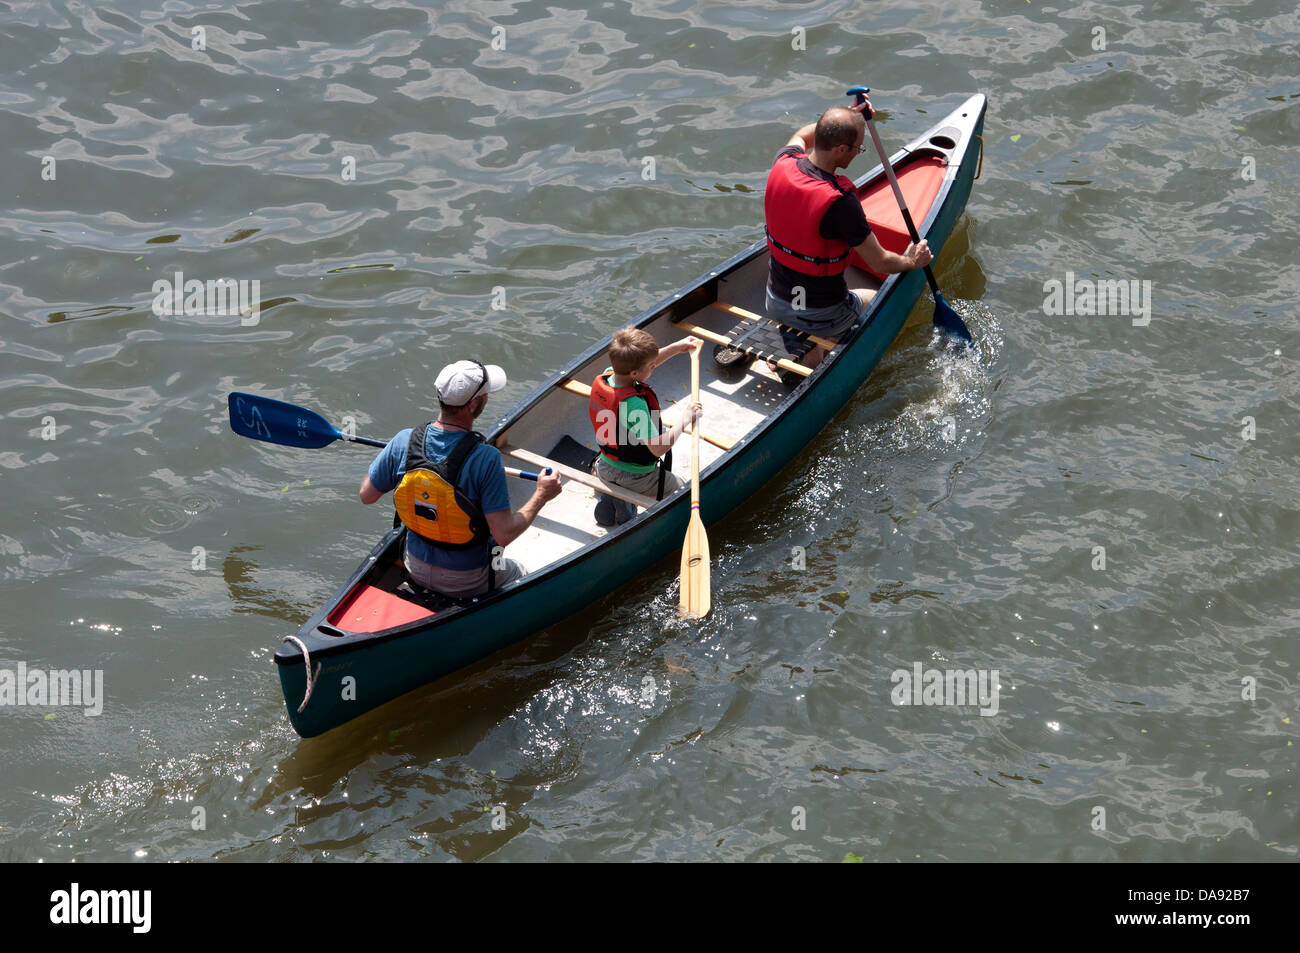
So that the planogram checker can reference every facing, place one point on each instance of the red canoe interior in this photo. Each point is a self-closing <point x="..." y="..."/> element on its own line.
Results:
<point x="368" y="609"/>
<point x="920" y="179"/>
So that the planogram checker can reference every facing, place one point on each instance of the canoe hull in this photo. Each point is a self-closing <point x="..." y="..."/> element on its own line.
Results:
<point x="359" y="672"/>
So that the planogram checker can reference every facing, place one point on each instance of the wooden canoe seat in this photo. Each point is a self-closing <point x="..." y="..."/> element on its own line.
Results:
<point x="744" y="315"/>
<point x="577" y="476"/>
<point x="582" y="390"/>
<point x="781" y="362"/>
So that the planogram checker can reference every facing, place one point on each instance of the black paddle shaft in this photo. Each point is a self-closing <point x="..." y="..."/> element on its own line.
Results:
<point x="944" y="316"/>
<point x="902" y="202"/>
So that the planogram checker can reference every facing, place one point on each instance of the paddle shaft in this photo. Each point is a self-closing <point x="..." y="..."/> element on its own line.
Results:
<point x="275" y="421"/>
<point x="510" y="471"/>
<point x="944" y="316"/>
<point x="695" y="430"/>
<point x="695" y="599"/>
<point x="898" y="194"/>
<point x="523" y="474"/>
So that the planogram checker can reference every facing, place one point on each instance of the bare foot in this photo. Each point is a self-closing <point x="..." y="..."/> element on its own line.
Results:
<point x="813" y="357"/>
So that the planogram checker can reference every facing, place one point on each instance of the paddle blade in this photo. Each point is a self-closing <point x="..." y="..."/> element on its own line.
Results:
<point x="264" y="418"/>
<point x="695" y="602"/>
<point x="949" y="320"/>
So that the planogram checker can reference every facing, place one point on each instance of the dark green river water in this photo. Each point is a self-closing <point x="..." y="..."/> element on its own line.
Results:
<point x="1110" y="534"/>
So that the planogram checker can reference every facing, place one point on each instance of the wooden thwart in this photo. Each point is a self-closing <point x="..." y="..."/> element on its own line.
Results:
<point x="587" y="479"/>
<point x="582" y="390"/>
<point x="716" y="338"/>
<point x="744" y="315"/>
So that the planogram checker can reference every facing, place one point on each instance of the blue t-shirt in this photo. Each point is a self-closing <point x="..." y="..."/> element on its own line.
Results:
<point x="482" y="479"/>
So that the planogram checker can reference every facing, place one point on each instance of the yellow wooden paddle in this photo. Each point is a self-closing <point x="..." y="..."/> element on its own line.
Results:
<point x="695" y="550"/>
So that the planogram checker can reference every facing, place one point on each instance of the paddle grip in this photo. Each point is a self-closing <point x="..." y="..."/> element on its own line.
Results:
<point x="524" y="474"/>
<point x="861" y="93"/>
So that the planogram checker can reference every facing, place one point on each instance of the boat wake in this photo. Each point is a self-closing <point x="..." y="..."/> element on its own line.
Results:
<point x="930" y="390"/>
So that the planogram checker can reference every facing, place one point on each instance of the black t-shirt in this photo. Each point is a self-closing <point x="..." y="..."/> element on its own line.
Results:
<point x="842" y="221"/>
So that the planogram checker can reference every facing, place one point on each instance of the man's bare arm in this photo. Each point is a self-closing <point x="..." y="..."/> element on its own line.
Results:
<point x="804" y="137"/>
<point x="509" y="525"/>
<point x="887" y="262"/>
<point x="368" y="493"/>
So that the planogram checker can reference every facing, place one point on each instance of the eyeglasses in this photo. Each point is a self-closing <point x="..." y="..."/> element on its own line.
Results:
<point x="482" y="383"/>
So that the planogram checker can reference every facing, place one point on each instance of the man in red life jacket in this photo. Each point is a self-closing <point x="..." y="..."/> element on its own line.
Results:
<point x="814" y="221"/>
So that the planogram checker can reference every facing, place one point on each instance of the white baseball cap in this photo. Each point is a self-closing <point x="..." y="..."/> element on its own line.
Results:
<point x="461" y="382"/>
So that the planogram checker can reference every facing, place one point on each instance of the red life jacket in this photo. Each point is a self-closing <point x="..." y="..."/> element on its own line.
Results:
<point x="793" y="206"/>
<point x="604" y="411"/>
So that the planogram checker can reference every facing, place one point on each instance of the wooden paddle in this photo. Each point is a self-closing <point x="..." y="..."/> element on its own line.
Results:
<point x="695" y="602"/>
<point x="945" y="317"/>
<point x="265" y="418"/>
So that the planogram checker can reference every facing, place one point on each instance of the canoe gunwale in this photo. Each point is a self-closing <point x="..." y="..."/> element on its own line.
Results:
<point x="698" y="293"/>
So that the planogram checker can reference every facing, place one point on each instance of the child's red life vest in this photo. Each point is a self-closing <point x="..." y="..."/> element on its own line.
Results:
<point x="604" y="411"/>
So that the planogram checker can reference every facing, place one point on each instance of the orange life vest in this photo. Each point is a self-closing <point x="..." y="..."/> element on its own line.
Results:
<point x="428" y="502"/>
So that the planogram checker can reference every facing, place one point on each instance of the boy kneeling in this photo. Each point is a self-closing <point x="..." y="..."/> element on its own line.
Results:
<point x="635" y="454"/>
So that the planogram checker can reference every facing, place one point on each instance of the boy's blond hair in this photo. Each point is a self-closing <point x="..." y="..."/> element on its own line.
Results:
<point x="631" y="350"/>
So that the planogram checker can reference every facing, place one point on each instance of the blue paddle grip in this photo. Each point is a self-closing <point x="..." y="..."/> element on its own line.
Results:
<point x="860" y="92"/>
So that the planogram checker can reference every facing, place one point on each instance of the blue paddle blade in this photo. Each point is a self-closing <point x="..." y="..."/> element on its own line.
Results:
<point x="947" y="319"/>
<point x="264" y="418"/>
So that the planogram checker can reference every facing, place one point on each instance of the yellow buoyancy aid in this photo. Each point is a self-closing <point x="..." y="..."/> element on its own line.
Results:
<point x="428" y="502"/>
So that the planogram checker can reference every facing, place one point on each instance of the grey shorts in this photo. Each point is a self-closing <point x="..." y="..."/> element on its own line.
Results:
<point x="460" y="583"/>
<point x="644" y="483"/>
<point x="829" y="322"/>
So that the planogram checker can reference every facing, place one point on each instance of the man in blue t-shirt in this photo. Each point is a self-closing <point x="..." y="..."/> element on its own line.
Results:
<point x="461" y="571"/>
